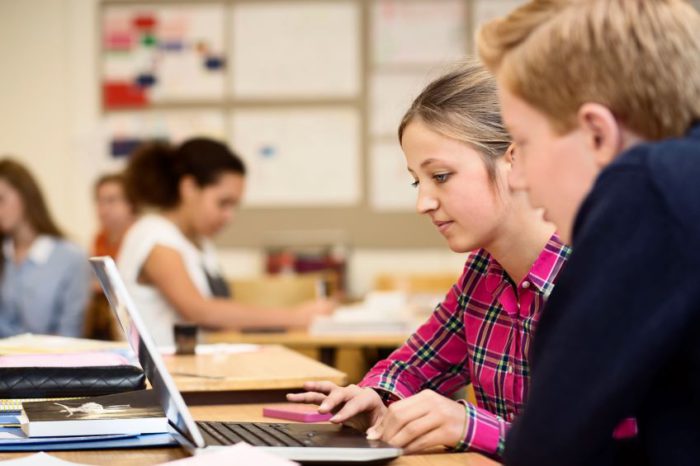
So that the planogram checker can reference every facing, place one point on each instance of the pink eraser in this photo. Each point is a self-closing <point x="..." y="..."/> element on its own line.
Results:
<point x="296" y="412"/>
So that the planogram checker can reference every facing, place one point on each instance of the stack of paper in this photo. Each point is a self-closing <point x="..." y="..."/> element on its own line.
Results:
<point x="380" y="312"/>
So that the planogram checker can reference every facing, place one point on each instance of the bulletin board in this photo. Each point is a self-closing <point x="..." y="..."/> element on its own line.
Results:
<point x="312" y="107"/>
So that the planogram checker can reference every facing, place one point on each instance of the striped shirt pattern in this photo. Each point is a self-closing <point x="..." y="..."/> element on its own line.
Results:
<point x="480" y="334"/>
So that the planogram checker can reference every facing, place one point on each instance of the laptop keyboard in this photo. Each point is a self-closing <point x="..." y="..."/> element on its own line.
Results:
<point x="258" y="434"/>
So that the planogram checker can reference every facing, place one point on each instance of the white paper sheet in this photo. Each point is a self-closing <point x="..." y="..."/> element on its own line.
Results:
<point x="299" y="157"/>
<point x="239" y="454"/>
<point x="418" y="32"/>
<point x="217" y="348"/>
<point x="295" y="49"/>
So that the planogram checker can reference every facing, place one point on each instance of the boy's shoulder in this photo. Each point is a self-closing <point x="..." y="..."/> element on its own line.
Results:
<point x="667" y="170"/>
<point x="665" y="158"/>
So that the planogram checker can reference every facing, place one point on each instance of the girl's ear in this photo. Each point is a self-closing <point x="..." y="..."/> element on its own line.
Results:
<point x="509" y="155"/>
<point x="188" y="188"/>
<point x="516" y="177"/>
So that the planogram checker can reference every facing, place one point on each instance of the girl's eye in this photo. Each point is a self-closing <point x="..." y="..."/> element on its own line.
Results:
<point x="415" y="183"/>
<point x="441" y="177"/>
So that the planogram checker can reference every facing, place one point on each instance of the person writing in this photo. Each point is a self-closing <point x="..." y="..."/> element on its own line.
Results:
<point x="167" y="257"/>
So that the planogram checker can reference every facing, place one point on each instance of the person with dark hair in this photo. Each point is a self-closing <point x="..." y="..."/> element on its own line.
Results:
<point x="44" y="282"/>
<point x="167" y="259"/>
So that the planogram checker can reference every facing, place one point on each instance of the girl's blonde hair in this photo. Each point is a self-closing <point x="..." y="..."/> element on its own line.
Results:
<point x="463" y="105"/>
<point x="640" y="59"/>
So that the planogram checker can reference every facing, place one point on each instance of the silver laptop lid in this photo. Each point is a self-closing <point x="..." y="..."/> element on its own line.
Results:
<point x="145" y="349"/>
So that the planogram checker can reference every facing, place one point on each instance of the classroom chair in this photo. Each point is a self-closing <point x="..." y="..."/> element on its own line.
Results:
<point x="283" y="290"/>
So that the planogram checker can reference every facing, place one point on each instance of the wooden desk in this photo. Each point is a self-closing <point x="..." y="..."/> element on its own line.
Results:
<point x="328" y="345"/>
<point x="252" y="412"/>
<point x="262" y="375"/>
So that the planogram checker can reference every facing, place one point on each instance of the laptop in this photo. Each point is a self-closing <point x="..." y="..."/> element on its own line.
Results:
<point x="307" y="443"/>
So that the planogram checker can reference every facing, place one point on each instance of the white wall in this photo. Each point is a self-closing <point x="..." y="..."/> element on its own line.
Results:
<point x="49" y="119"/>
<point x="48" y="99"/>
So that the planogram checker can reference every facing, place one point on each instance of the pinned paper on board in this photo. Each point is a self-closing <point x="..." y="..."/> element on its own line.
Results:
<point x="124" y="132"/>
<point x="299" y="157"/>
<point x="421" y="32"/>
<point x="309" y="49"/>
<point x="156" y="54"/>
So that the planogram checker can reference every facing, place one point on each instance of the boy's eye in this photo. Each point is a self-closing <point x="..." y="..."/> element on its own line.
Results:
<point x="415" y="183"/>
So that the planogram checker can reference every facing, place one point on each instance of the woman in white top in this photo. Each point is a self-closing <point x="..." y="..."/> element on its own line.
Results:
<point x="167" y="259"/>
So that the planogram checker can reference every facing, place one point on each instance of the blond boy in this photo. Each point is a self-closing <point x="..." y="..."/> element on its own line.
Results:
<point x="602" y="98"/>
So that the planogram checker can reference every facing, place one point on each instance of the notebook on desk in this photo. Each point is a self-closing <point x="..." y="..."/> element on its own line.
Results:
<point x="300" y="442"/>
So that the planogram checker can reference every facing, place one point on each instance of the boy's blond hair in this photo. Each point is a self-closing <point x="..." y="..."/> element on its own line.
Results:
<point x="639" y="58"/>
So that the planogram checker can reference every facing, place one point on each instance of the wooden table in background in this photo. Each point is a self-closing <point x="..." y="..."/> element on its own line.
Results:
<point x="261" y="375"/>
<point x="327" y="345"/>
<point x="251" y="412"/>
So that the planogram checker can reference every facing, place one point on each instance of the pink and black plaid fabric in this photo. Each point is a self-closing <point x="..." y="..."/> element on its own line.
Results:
<point x="480" y="333"/>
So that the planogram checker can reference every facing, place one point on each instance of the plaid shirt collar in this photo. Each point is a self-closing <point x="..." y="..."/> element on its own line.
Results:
<point x="540" y="277"/>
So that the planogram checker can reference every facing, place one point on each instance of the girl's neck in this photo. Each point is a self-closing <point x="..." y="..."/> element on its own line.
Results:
<point x="520" y="240"/>
<point x="22" y="239"/>
<point x="182" y="221"/>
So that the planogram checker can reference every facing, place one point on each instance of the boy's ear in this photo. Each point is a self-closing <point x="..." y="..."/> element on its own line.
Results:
<point x="602" y="133"/>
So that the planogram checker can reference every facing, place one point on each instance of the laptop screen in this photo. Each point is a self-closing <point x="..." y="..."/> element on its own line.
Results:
<point x="146" y="351"/>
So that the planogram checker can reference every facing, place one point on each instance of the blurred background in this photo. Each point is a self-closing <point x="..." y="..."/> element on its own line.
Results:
<point x="310" y="93"/>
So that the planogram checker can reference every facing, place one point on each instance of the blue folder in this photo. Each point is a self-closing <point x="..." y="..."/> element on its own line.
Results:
<point x="88" y="442"/>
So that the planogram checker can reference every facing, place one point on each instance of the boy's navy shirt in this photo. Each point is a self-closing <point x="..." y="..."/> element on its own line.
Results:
<point x="620" y="335"/>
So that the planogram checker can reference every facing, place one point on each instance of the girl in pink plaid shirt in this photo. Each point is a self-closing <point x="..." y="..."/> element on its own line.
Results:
<point x="460" y="156"/>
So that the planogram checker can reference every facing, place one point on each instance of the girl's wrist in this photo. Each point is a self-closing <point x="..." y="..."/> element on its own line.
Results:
<point x="461" y="445"/>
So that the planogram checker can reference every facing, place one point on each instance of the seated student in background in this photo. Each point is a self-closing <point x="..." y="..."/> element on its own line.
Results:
<point x="167" y="258"/>
<point x="603" y="99"/>
<point x="460" y="155"/>
<point x="45" y="279"/>
<point x="115" y="214"/>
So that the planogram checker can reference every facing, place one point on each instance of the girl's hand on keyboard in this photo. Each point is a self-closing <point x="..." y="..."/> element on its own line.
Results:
<point x="354" y="406"/>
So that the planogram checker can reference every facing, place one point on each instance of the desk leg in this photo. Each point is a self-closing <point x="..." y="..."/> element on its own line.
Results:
<point x="328" y="355"/>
